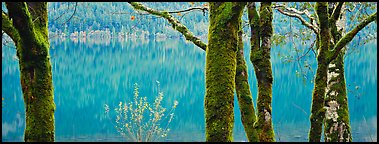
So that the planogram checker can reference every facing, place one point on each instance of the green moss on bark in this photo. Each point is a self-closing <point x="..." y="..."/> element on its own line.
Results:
<point x="260" y="57"/>
<point x="317" y="108"/>
<point x="221" y="70"/>
<point x="337" y="121"/>
<point x="245" y="100"/>
<point x="36" y="74"/>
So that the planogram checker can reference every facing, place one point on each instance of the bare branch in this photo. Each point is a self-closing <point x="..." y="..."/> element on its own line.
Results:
<point x="336" y="13"/>
<point x="305" y="12"/>
<point x="297" y="15"/>
<point x="76" y="4"/>
<point x="128" y="13"/>
<point x="350" y="35"/>
<point x="64" y="12"/>
<point x="309" y="49"/>
<point x="172" y="20"/>
<point x="190" y="9"/>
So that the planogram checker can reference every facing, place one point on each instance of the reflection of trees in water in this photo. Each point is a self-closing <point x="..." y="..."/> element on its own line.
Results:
<point x="13" y="115"/>
<point x="13" y="129"/>
<point x="87" y="75"/>
<point x="114" y="67"/>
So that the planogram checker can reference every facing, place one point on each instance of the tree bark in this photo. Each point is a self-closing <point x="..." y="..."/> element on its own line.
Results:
<point x="36" y="75"/>
<point x="329" y="75"/>
<point x="225" y="18"/>
<point x="317" y="108"/>
<point x="337" y="121"/>
<point x="261" y="31"/>
<point x="245" y="99"/>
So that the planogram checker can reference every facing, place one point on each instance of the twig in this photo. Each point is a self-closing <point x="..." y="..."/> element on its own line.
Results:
<point x="297" y="14"/>
<point x="369" y="132"/>
<point x="76" y="4"/>
<point x="178" y="11"/>
<point x="190" y="9"/>
<point x="299" y="108"/>
<point x="172" y="20"/>
<point x="309" y="49"/>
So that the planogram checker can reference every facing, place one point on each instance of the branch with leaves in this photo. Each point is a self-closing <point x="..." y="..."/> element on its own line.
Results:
<point x="292" y="12"/>
<point x="172" y="20"/>
<point x="350" y="35"/>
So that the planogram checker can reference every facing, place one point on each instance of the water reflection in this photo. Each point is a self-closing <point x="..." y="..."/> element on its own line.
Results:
<point x="88" y="73"/>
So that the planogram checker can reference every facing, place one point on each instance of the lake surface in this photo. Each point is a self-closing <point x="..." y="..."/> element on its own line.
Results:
<point x="90" y="73"/>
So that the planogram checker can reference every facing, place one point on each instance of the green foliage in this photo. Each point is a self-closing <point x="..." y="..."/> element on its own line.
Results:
<point x="140" y="121"/>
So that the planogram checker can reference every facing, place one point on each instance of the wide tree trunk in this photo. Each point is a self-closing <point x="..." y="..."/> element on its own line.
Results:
<point x="261" y="31"/>
<point x="36" y="75"/>
<point x="225" y="18"/>
<point x="337" y="124"/>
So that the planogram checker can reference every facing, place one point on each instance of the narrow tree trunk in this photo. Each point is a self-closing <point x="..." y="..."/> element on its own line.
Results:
<point x="36" y="75"/>
<point x="221" y="70"/>
<point x="262" y="29"/>
<point x="245" y="100"/>
<point x="317" y="109"/>
<point x="248" y="116"/>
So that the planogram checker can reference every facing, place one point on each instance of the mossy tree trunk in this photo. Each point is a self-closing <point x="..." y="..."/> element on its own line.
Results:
<point x="337" y="121"/>
<point x="317" y="109"/>
<point x="329" y="101"/>
<point x="329" y="81"/>
<point x="225" y="18"/>
<point x="242" y="87"/>
<point x="244" y="97"/>
<point x="261" y="32"/>
<point x="28" y="30"/>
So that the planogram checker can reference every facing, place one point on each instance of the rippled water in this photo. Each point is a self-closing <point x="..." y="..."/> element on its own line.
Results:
<point x="88" y="74"/>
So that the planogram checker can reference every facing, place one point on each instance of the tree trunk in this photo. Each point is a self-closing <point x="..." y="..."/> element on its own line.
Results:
<point x="35" y="68"/>
<point x="337" y="121"/>
<point x="323" y="40"/>
<point x="317" y="109"/>
<point x="337" y="125"/>
<point x="245" y="100"/>
<point x="262" y="29"/>
<point x="221" y="69"/>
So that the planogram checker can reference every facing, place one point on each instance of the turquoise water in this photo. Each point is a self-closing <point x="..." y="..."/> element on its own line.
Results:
<point x="88" y="74"/>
